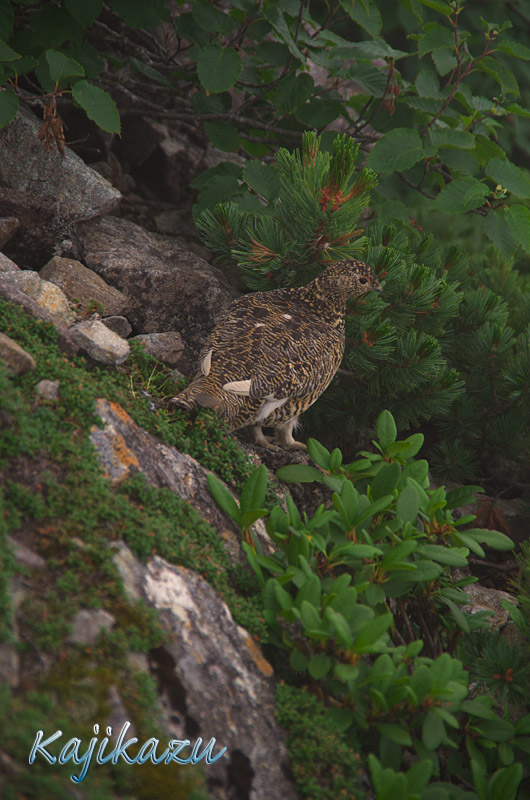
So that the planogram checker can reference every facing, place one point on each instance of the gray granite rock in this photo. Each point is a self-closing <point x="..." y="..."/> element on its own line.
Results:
<point x="73" y="190"/>
<point x="87" y="624"/>
<point x="99" y="342"/>
<point x="83" y="284"/>
<point x="48" y="389"/>
<point x="46" y="294"/>
<point x="167" y="347"/>
<point x="6" y="265"/>
<point x="14" y="356"/>
<point x="169" y="287"/>
<point x="119" y="325"/>
<point x="213" y="677"/>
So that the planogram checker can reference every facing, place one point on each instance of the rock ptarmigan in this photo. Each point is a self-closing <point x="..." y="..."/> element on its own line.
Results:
<point x="272" y="354"/>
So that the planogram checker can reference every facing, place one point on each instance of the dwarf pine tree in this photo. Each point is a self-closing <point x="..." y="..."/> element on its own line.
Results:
<point x="438" y="345"/>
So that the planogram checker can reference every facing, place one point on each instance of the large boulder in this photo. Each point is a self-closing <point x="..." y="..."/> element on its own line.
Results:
<point x="170" y="288"/>
<point x="214" y="680"/>
<point x="45" y="191"/>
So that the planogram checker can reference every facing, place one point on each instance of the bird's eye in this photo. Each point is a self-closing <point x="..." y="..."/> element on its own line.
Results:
<point x="363" y="280"/>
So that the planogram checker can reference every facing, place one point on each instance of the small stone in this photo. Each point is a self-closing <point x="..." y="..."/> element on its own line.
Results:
<point x="87" y="287"/>
<point x="99" y="342"/>
<point x="119" y="325"/>
<point x="24" y="555"/>
<point x="46" y="294"/>
<point x="15" y="358"/>
<point x="6" y="265"/>
<point x="8" y="226"/>
<point x="9" y="665"/>
<point x="48" y="389"/>
<point x="87" y="625"/>
<point x="167" y="347"/>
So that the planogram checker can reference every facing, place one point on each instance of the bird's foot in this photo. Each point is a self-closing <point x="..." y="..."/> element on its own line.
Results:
<point x="258" y="437"/>
<point x="286" y="441"/>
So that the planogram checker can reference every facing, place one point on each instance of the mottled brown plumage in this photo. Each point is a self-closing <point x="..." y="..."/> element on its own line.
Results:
<point x="272" y="354"/>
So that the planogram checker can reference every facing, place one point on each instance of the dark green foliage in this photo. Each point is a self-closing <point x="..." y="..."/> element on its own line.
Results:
<point x="325" y="766"/>
<point x="363" y="599"/>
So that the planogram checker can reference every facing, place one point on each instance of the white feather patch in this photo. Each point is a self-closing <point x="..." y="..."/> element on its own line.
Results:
<point x="238" y="387"/>
<point x="206" y="364"/>
<point x="267" y="407"/>
<point x="286" y="316"/>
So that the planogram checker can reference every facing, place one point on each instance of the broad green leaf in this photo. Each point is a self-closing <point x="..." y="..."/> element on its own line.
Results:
<point x="408" y="504"/>
<point x="318" y="113"/>
<point x="318" y="453"/>
<point x="346" y="672"/>
<point x="62" y="66"/>
<point x="453" y="556"/>
<point x="498" y="730"/>
<point x="309" y="615"/>
<point x="299" y="473"/>
<point x="254" y="490"/>
<point x="459" y="617"/>
<point x="218" y="67"/>
<point x="449" y="137"/>
<point x="444" y="60"/>
<point x="222" y="135"/>
<point x="494" y="539"/>
<point x="97" y="105"/>
<point x="395" y="733"/>
<point x="505" y="782"/>
<point x="139" y="14"/>
<point x="8" y="106"/>
<point x="365" y="13"/>
<point x="298" y="661"/>
<point x="518" y="219"/>
<point x="461" y="195"/>
<point x="517" y="49"/>
<point x="500" y="232"/>
<point x="293" y="91"/>
<point x="461" y="496"/>
<point x="511" y="177"/>
<point x="427" y="83"/>
<point x="210" y="18"/>
<point x="386" y="480"/>
<point x="273" y="13"/>
<point x="398" y="149"/>
<point x="223" y="497"/>
<point x="425" y="571"/>
<point x="310" y="592"/>
<point x="372" y="632"/>
<point x="264" y="179"/>
<point x="434" y="37"/>
<point x="340" y="626"/>
<point x="372" y="80"/>
<point x="7" y="53"/>
<point x="486" y="150"/>
<point x="84" y="11"/>
<point x="433" y="731"/>
<point x="385" y="428"/>
<point x="319" y="666"/>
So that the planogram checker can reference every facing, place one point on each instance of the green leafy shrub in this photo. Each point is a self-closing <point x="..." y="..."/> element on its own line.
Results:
<point x="362" y="598"/>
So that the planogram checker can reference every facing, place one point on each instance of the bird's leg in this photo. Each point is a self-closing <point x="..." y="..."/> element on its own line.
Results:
<point x="284" y="436"/>
<point x="258" y="437"/>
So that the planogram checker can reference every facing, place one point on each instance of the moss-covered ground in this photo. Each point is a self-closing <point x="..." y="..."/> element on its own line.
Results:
<point x="55" y="499"/>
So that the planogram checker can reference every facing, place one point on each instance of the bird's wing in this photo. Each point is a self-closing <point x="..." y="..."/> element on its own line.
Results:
<point x="279" y="351"/>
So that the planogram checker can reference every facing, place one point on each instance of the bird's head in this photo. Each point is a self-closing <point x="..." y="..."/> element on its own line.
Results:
<point x="348" y="278"/>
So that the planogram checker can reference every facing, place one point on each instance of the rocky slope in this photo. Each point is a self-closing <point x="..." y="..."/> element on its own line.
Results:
<point x="126" y="596"/>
